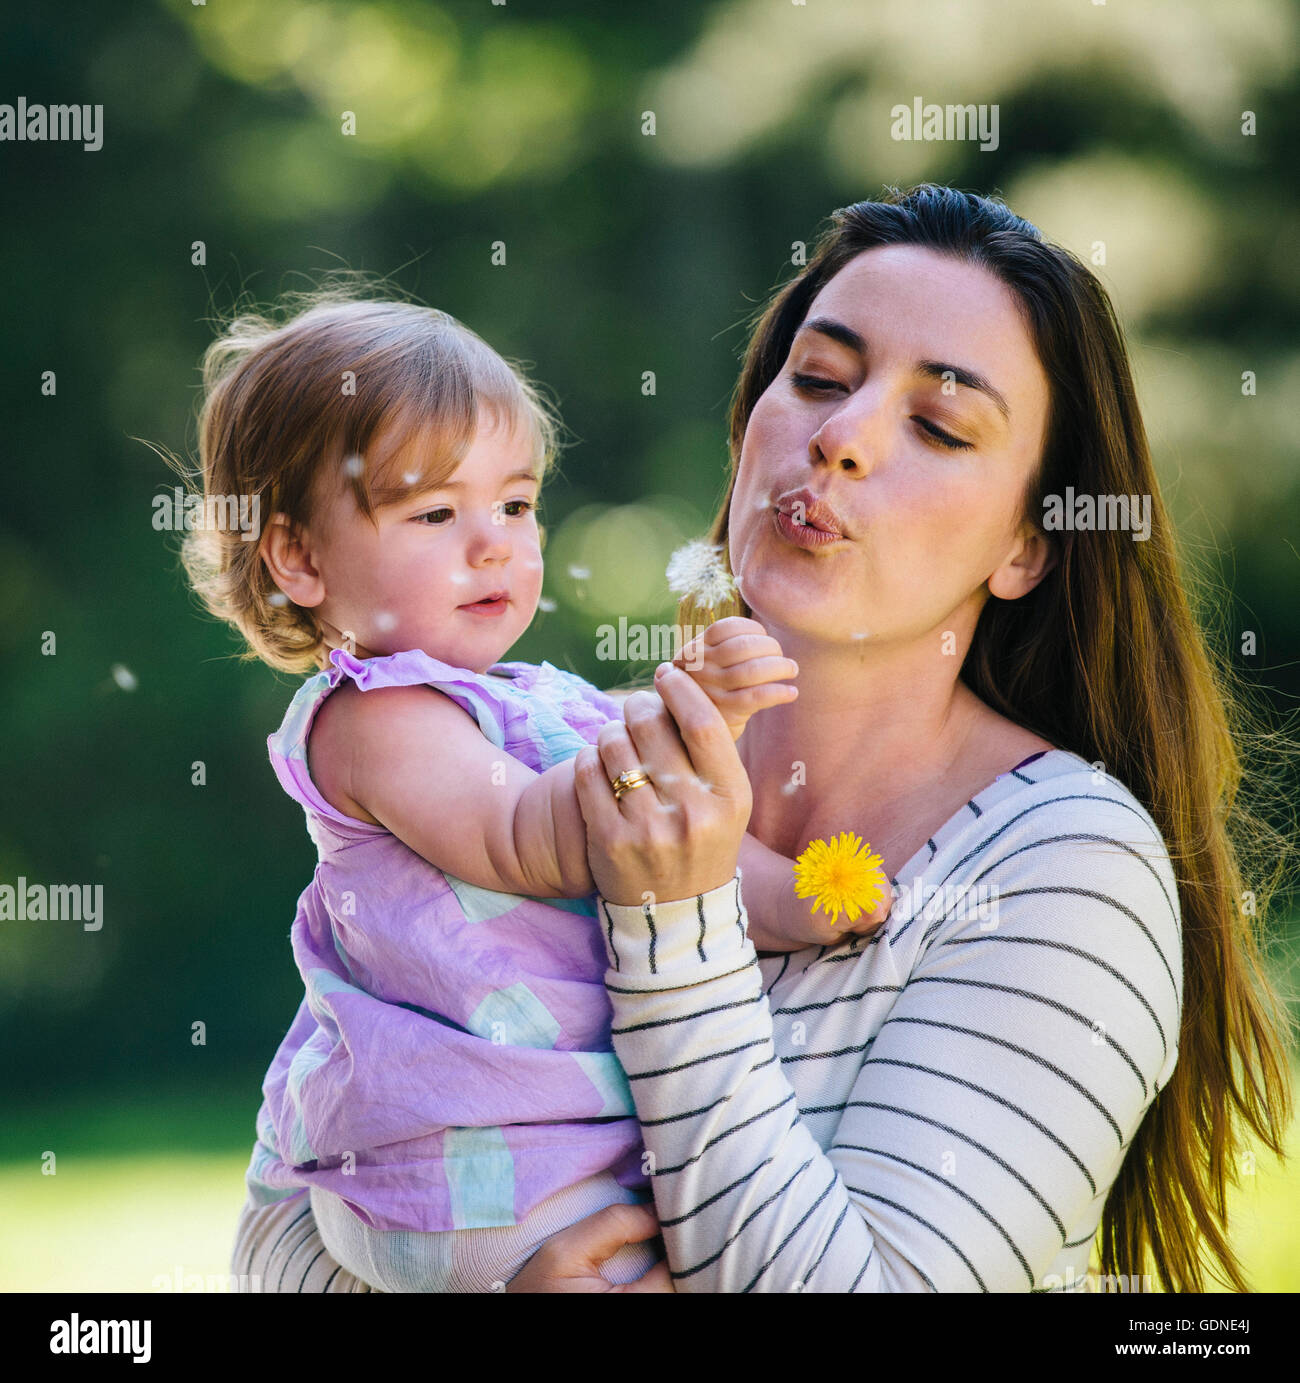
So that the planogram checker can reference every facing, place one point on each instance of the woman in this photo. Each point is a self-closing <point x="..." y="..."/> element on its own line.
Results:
<point x="1023" y="719"/>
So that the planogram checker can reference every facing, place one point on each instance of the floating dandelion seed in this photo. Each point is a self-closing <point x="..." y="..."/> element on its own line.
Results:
<point x="839" y="878"/>
<point x="124" y="677"/>
<point x="278" y="599"/>
<point x="698" y="572"/>
<point x="353" y="466"/>
<point x="580" y="573"/>
<point x="410" y="477"/>
<point x="385" y="620"/>
<point x="545" y="604"/>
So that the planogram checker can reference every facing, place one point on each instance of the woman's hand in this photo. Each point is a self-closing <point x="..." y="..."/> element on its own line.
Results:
<point x="570" y="1260"/>
<point x="680" y="834"/>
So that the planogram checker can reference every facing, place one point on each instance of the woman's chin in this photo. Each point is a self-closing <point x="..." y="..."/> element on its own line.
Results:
<point x="781" y="591"/>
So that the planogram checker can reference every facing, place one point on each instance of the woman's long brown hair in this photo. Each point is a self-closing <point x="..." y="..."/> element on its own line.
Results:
<point x="1105" y="657"/>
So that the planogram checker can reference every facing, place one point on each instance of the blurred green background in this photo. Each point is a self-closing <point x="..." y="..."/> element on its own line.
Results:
<point x="626" y="251"/>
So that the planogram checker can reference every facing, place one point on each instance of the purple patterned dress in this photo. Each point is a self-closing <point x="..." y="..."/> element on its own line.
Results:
<point x="450" y="1066"/>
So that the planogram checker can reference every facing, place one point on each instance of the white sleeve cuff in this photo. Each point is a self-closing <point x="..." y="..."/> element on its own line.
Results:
<point x="683" y="942"/>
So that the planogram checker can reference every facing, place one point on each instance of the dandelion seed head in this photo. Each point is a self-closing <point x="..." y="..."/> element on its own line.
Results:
<point x="698" y="572"/>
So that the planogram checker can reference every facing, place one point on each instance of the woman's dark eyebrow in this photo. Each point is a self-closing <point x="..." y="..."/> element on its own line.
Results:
<point x="932" y="369"/>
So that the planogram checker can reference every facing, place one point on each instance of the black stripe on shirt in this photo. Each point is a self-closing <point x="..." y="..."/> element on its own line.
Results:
<point x="817" y="1262"/>
<point x="668" y="989"/>
<point x="824" y="1056"/>
<point x="613" y="949"/>
<point x="785" y="965"/>
<point x="302" y="1243"/>
<point x="1082" y="1018"/>
<point x="965" y="1138"/>
<point x="717" y="1196"/>
<point x="726" y="1133"/>
<point x="298" y="1219"/>
<point x="776" y="1253"/>
<point x="842" y="998"/>
<point x="1074" y="951"/>
<point x="1104" y="897"/>
<point x="1123" y="845"/>
<point x="704" y="1109"/>
<point x="648" y="913"/>
<point x="1028" y="811"/>
<point x="686" y="1017"/>
<point x="698" y="1061"/>
<point x="863" y="1271"/>
<point x="997" y="1099"/>
<point x="303" y="1284"/>
<point x="911" y="1214"/>
<point x="1022" y="1051"/>
<point x="965" y="1195"/>
<point x="748" y="1220"/>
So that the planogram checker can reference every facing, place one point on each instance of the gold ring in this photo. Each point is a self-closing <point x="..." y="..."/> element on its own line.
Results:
<point x="627" y="780"/>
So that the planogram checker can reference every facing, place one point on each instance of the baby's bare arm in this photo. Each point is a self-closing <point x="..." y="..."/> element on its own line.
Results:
<point x="413" y="761"/>
<point x="781" y="921"/>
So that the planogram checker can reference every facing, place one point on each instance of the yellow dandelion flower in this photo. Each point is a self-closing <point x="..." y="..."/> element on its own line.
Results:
<point x="839" y="877"/>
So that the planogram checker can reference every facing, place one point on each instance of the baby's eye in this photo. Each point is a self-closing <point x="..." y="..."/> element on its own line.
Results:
<point x="432" y="517"/>
<point x="518" y="513"/>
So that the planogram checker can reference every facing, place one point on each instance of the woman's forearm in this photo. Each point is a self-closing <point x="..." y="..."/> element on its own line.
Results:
<point x="746" y="1198"/>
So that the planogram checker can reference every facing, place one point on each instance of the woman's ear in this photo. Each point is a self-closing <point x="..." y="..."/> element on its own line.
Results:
<point x="287" y="557"/>
<point x="1026" y="567"/>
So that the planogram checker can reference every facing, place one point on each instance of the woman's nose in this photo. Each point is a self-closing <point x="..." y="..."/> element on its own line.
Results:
<point x="851" y="438"/>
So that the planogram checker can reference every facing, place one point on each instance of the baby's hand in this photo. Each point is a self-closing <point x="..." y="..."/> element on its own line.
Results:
<point x="740" y="667"/>
<point x="800" y="926"/>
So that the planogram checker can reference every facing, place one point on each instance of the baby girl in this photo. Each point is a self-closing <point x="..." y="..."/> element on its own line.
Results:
<point x="447" y="1091"/>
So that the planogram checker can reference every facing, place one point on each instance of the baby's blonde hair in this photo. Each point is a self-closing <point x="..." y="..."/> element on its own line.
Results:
<point x="292" y="393"/>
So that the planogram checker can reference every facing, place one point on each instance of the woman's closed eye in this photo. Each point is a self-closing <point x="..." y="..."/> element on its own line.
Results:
<point x="940" y="437"/>
<point x="817" y="386"/>
<point x="813" y="384"/>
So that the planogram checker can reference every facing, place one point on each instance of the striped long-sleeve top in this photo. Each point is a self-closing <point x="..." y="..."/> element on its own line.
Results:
<point x="942" y="1106"/>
